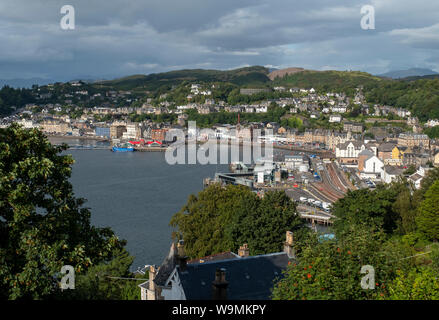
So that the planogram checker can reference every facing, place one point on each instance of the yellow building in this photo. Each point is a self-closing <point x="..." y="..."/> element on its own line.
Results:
<point x="436" y="159"/>
<point x="397" y="156"/>
<point x="397" y="153"/>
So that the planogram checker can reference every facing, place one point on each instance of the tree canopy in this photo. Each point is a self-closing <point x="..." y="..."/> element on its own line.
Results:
<point x="43" y="226"/>
<point x="223" y="218"/>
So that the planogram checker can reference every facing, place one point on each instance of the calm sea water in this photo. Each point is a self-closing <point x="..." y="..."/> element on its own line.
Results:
<point x="136" y="194"/>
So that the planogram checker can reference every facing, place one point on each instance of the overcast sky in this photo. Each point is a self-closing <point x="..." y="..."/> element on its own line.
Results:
<point x="119" y="37"/>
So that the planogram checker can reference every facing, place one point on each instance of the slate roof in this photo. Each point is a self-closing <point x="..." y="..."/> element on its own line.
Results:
<point x="386" y="147"/>
<point x="167" y="267"/>
<point x="215" y="257"/>
<point x="250" y="278"/>
<point x="366" y="152"/>
<point x="394" y="170"/>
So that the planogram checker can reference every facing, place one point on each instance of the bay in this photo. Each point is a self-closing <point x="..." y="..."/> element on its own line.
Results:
<point x="136" y="194"/>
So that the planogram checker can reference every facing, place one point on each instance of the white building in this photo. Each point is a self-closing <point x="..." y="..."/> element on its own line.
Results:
<point x="373" y="168"/>
<point x="349" y="149"/>
<point x="335" y="118"/>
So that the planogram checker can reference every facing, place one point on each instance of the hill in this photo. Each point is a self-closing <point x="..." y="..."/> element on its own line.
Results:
<point x="248" y="76"/>
<point x="331" y="80"/>
<point x="280" y="73"/>
<point x="413" y="72"/>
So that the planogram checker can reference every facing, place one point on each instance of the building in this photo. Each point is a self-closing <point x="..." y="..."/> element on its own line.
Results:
<point x="55" y="127"/>
<point x="436" y="159"/>
<point x="413" y="140"/>
<point x="223" y="276"/>
<point x="391" y="173"/>
<point x="159" y="134"/>
<point x="102" y="132"/>
<point x="385" y="150"/>
<point x="116" y="131"/>
<point x="335" y="118"/>
<point x="348" y="152"/>
<point x="372" y="167"/>
<point x="253" y="91"/>
<point x="353" y="127"/>
<point x="297" y="162"/>
<point x="132" y="131"/>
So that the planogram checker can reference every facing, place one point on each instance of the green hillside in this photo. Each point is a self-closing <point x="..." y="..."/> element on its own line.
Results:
<point x="345" y="81"/>
<point x="249" y="76"/>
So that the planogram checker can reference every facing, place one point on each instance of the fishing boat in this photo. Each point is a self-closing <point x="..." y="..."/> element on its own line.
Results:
<point x="123" y="148"/>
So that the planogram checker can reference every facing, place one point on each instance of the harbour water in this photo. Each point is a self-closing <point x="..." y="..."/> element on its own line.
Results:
<point x="136" y="194"/>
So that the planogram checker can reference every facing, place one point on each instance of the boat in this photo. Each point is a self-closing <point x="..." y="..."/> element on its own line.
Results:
<point x="122" y="148"/>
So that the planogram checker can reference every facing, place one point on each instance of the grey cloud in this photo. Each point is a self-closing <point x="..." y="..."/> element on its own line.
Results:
<point x="115" y="38"/>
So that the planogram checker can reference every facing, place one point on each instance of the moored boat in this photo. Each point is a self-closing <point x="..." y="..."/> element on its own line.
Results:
<point x="122" y="148"/>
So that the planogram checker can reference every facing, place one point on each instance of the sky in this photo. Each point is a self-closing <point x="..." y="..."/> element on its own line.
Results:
<point x="115" y="38"/>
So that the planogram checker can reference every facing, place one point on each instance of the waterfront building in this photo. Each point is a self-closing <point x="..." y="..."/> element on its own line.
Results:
<point x="102" y="132"/>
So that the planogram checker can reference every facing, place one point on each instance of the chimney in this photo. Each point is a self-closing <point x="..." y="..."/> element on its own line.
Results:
<point x="219" y="286"/>
<point x="288" y="245"/>
<point x="244" y="251"/>
<point x="181" y="256"/>
<point x="151" y="292"/>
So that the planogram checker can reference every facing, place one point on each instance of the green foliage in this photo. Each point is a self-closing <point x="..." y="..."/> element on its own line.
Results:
<point x="223" y="218"/>
<point x="410" y="170"/>
<point x="264" y="228"/>
<point x="292" y="122"/>
<point x="433" y="132"/>
<point x="255" y="75"/>
<point x="96" y="283"/>
<point x="42" y="225"/>
<point x="372" y="206"/>
<point x="273" y="114"/>
<point x="335" y="81"/>
<point x="417" y="284"/>
<point x="428" y="217"/>
<point x="11" y="98"/>
<point x="331" y="269"/>
<point x="420" y="96"/>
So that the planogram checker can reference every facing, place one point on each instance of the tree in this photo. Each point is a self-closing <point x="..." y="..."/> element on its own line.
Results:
<point x="428" y="214"/>
<point x="264" y="228"/>
<point x="223" y="218"/>
<point x="331" y="269"/>
<point x="372" y="206"/>
<point x="417" y="284"/>
<point x="108" y="280"/>
<point x="43" y="226"/>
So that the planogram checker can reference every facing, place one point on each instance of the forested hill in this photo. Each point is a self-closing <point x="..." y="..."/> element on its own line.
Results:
<point x="338" y="81"/>
<point x="419" y="96"/>
<point x="249" y="76"/>
<point x="12" y="99"/>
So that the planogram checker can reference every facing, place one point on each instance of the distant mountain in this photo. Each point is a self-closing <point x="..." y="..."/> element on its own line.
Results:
<point x="25" y="83"/>
<point x="413" y="72"/>
<point x="248" y="76"/>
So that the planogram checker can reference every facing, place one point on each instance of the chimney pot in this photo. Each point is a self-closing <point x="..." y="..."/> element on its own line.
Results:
<point x="288" y="246"/>
<point x="244" y="251"/>
<point x="181" y="257"/>
<point x="219" y="285"/>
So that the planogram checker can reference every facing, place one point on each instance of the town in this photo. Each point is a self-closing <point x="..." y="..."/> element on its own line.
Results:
<point x="328" y="143"/>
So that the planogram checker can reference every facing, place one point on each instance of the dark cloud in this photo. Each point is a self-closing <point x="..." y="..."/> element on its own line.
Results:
<point x="114" y="38"/>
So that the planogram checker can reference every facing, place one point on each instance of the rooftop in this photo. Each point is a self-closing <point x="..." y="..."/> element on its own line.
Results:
<point x="249" y="278"/>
